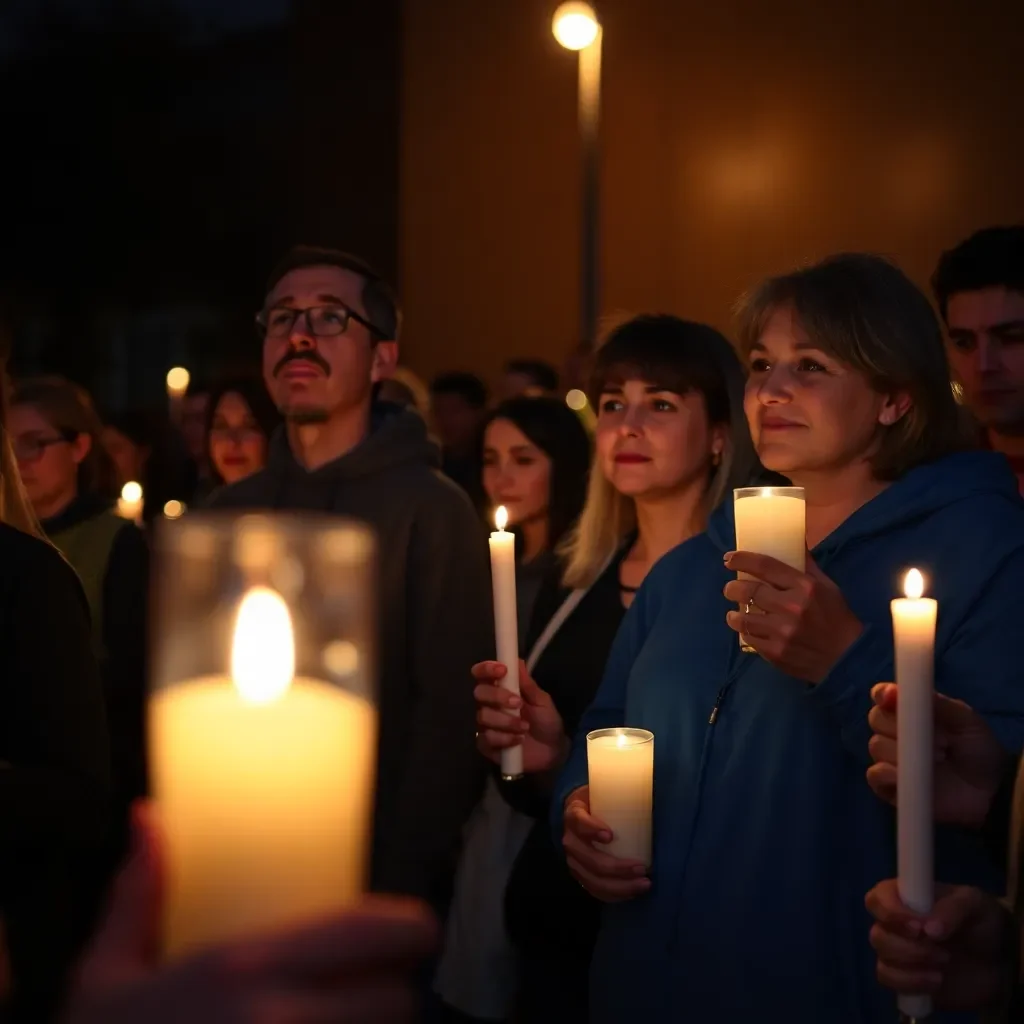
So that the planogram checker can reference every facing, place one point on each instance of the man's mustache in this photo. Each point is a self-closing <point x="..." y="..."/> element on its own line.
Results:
<point x="310" y="356"/>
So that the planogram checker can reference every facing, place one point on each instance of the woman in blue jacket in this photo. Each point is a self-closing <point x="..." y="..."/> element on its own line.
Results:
<point x="765" y="834"/>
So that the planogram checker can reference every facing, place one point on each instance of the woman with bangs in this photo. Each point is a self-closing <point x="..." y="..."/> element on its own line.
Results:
<point x="671" y="443"/>
<point x="766" y="836"/>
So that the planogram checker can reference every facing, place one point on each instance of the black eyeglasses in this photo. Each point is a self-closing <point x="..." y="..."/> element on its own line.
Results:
<point x="28" y="449"/>
<point x="322" y="321"/>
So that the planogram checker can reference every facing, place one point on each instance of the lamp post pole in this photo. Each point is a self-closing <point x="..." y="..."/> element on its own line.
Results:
<point x="576" y="27"/>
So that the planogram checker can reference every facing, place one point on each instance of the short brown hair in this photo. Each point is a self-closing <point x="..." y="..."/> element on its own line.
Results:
<point x="863" y="310"/>
<point x="379" y="299"/>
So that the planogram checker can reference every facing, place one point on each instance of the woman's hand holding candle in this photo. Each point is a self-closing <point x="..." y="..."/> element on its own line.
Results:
<point x="801" y="623"/>
<point x="539" y="729"/>
<point x="961" y="954"/>
<point x="610" y="879"/>
<point x="970" y="762"/>
<point x="356" y="966"/>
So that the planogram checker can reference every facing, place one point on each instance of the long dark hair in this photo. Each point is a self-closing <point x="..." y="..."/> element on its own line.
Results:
<point x="253" y="392"/>
<point x="557" y="431"/>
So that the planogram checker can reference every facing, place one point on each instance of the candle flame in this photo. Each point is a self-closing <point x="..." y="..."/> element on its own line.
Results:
<point x="501" y="517"/>
<point x="913" y="584"/>
<point x="132" y="491"/>
<point x="177" y="379"/>
<point x="621" y="740"/>
<point x="263" y="649"/>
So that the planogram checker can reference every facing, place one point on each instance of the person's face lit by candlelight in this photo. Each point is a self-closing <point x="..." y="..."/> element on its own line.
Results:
<point x="516" y="474"/>
<point x="808" y="412"/>
<point x="986" y="352"/>
<point x="320" y="357"/>
<point x="238" y="445"/>
<point x="48" y="459"/>
<point x="651" y="441"/>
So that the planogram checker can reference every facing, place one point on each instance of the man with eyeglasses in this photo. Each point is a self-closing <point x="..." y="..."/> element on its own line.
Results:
<point x="329" y="326"/>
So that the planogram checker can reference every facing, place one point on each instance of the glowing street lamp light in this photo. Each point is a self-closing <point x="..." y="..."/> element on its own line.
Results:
<point x="576" y="27"/>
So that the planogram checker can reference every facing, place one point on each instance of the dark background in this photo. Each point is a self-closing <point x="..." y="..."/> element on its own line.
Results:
<point x="159" y="155"/>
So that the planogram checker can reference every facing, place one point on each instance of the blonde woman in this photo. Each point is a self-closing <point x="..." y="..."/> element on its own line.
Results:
<point x="671" y="442"/>
<point x="54" y="753"/>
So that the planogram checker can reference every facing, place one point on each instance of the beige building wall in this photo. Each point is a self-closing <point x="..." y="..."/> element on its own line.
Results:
<point x="739" y="138"/>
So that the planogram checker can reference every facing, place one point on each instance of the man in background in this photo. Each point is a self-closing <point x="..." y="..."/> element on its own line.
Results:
<point x="330" y="330"/>
<point x="979" y="288"/>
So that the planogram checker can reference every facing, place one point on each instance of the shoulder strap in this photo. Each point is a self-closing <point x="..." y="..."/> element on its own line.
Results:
<point x="565" y="609"/>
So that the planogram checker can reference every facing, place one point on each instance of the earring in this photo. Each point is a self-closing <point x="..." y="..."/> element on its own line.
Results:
<point x="716" y="458"/>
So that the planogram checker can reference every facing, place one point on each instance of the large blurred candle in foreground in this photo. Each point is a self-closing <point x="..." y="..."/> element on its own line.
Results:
<point x="263" y="783"/>
<point x="913" y="624"/>
<point x="620" y="763"/>
<point x="129" y="505"/>
<point x="506" y="629"/>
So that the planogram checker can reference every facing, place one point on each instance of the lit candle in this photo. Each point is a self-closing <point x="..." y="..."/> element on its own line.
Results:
<point x="129" y="505"/>
<point x="177" y="382"/>
<point x="771" y="521"/>
<point x="913" y="626"/>
<point x="620" y="764"/>
<point x="264" y="785"/>
<point x="506" y="631"/>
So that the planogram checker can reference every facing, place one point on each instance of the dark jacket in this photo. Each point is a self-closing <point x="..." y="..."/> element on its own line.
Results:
<point x="54" y="764"/>
<point x="111" y="558"/>
<point x="766" y="837"/>
<point x="435" y="622"/>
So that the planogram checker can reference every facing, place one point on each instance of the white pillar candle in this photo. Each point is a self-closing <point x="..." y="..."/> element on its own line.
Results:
<point x="620" y="765"/>
<point x="913" y="626"/>
<point x="129" y="505"/>
<point x="264" y="787"/>
<point x="506" y="627"/>
<point x="771" y="521"/>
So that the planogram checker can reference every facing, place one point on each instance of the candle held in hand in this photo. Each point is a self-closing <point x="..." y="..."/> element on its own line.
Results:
<point x="913" y="623"/>
<point x="620" y="764"/>
<point x="506" y="628"/>
<point x="129" y="505"/>
<point x="771" y="521"/>
<point x="263" y="782"/>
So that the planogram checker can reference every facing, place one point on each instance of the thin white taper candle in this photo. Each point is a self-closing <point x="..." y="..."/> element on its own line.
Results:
<point x="506" y="627"/>
<point x="913" y="623"/>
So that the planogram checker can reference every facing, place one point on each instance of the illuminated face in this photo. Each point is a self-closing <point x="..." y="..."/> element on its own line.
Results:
<point x="517" y="474"/>
<point x="986" y="352"/>
<point x="807" y="411"/>
<point x="651" y="441"/>
<point x="313" y="375"/>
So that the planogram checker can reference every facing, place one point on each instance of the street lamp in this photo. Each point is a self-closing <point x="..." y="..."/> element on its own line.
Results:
<point x="576" y="27"/>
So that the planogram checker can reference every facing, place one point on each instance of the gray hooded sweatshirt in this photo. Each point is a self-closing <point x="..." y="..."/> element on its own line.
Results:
<point x="435" y="622"/>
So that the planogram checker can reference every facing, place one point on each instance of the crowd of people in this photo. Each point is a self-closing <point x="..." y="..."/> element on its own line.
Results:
<point x="771" y="887"/>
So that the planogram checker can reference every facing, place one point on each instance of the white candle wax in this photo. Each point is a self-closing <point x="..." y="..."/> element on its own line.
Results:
<point x="620" y="764"/>
<point x="913" y="626"/>
<point x="129" y="505"/>
<point x="506" y="628"/>
<point x="264" y="787"/>
<point x="772" y="521"/>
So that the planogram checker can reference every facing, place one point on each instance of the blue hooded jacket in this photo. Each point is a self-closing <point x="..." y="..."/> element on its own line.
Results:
<point x="766" y="834"/>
